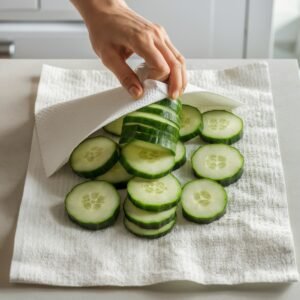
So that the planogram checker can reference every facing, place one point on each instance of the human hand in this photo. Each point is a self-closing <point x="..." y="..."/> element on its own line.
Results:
<point x="116" y="32"/>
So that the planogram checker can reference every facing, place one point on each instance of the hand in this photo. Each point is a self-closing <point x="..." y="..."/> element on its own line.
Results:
<point x="116" y="32"/>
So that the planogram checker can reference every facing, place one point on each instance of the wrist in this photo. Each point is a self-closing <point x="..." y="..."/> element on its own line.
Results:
<point x="89" y="8"/>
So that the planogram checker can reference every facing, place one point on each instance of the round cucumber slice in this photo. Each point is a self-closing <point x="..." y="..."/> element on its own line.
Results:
<point x="154" y="194"/>
<point x="147" y="219"/>
<point x="94" y="156"/>
<point x="117" y="175"/>
<point x="146" y="160"/>
<point x="220" y="126"/>
<point x="115" y="127"/>
<point x="180" y="155"/>
<point x="219" y="162"/>
<point x="148" y="233"/>
<point x="93" y="204"/>
<point x="203" y="201"/>
<point x="191" y="123"/>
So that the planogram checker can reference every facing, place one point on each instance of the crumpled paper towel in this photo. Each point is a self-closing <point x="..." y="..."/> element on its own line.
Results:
<point x="251" y="243"/>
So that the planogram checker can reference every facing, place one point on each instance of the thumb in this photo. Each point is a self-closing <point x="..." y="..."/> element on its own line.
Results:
<point x="124" y="73"/>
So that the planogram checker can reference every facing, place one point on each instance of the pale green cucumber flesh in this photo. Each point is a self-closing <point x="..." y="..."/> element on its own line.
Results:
<point x="219" y="162"/>
<point x="94" y="156"/>
<point x="93" y="204"/>
<point x="180" y="155"/>
<point x="115" y="127"/>
<point x="146" y="160"/>
<point x="220" y="126"/>
<point x="191" y="123"/>
<point x="154" y="194"/>
<point x="203" y="201"/>
<point x="117" y="175"/>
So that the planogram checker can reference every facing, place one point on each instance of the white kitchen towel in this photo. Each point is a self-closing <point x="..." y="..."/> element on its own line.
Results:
<point x="251" y="243"/>
<point x="65" y="117"/>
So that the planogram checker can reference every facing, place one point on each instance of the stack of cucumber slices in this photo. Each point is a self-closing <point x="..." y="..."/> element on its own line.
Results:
<point x="150" y="207"/>
<point x="150" y="147"/>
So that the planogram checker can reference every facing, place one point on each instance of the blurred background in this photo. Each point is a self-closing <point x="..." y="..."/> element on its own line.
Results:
<point x="199" y="28"/>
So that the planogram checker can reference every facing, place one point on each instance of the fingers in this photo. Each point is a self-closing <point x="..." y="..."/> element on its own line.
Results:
<point x="164" y="61"/>
<point x="124" y="73"/>
<point x="175" y="78"/>
<point x="157" y="65"/>
<point x="181" y="59"/>
<point x="176" y="59"/>
<point x="162" y="58"/>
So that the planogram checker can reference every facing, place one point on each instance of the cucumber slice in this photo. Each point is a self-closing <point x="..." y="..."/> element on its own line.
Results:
<point x="191" y="123"/>
<point x="94" y="156"/>
<point x="162" y="111"/>
<point x="93" y="204"/>
<point x="220" y="126"/>
<point x="117" y="175"/>
<point x="219" y="162"/>
<point x="162" y="139"/>
<point x="172" y="131"/>
<point x="180" y="155"/>
<point x="154" y="194"/>
<point x="150" y="119"/>
<point x="115" y="127"/>
<point x="148" y="233"/>
<point x="203" y="201"/>
<point x="147" y="219"/>
<point x="150" y="130"/>
<point x="146" y="160"/>
<point x="175" y="105"/>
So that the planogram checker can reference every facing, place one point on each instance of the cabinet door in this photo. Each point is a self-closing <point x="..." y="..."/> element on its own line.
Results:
<point x="18" y="4"/>
<point x="199" y="28"/>
<point x="46" y="40"/>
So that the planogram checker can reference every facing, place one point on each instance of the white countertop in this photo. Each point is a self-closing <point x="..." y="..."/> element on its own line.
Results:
<point x="18" y="84"/>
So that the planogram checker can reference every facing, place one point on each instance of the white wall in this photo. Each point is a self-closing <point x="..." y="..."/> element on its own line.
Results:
<point x="286" y="24"/>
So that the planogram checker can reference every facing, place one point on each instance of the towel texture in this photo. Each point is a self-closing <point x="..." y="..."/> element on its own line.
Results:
<point x="251" y="243"/>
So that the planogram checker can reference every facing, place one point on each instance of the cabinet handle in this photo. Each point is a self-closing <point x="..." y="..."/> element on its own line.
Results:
<point x="7" y="49"/>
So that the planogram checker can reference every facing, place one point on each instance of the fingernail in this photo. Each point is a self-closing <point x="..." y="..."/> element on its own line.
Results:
<point x="134" y="92"/>
<point x="175" y="95"/>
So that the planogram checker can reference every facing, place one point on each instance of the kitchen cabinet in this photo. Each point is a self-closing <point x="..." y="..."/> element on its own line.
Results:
<point x="198" y="28"/>
<point x="17" y="4"/>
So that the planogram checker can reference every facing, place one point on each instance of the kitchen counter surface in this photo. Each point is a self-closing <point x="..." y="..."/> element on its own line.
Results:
<point x="18" y="86"/>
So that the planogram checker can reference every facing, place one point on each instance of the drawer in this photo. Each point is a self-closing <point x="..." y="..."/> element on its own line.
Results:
<point x="19" y="5"/>
<point x="46" y="40"/>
